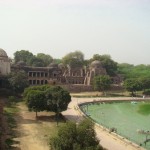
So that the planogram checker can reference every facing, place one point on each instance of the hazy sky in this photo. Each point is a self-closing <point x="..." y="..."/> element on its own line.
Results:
<point x="120" y="28"/>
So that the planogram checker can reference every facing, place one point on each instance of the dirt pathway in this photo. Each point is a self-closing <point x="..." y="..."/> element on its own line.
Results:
<point x="29" y="135"/>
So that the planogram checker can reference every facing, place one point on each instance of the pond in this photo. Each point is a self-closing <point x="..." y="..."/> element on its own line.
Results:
<point x="125" y="117"/>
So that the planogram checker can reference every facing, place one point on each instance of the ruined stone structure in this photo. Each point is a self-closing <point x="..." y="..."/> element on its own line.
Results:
<point x="83" y="75"/>
<point x="59" y="74"/>
<point x="74" y="79"/>
<point x="4" y="63"/>
<point x="56" y="73"/>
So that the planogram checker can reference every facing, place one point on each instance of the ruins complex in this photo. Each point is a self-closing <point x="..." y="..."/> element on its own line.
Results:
<point x="58" y="73"/>
<point x="77" y="77"/>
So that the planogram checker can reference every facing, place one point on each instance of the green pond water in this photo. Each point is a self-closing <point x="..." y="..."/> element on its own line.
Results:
<point x="124" y="116"/>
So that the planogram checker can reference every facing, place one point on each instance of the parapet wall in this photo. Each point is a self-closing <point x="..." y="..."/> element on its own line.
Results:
<point x="78" y="88"/>
<point x="86" y="88"/>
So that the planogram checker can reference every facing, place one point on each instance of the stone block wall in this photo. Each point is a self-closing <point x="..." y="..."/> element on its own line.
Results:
<point x="78" y="88"/>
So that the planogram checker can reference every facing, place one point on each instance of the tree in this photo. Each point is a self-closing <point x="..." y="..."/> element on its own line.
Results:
<point x="18" y="81"/>
<point x="76" y="137"/>
<point x="74" y="59"/>
<point x="131" y="71"/>
<point x="66" y="137"/>
<point x="36" y="101"/>
<point x="49" y="98"/>
<point x="47" y="59"/>
<point x="86" y="135"/>
<point x="101" y="83"/>
<point x="39" y="88"/>
<point x="132" y="85"/>
<point x="57" y="60"/>
<point x="110" y="66"/>
<point x="36" y="62"/>
<point x="145" y="82"/>
<point x="23" y="55"/>
<point x="57" y="99"/>
<point x="4" y="83"/>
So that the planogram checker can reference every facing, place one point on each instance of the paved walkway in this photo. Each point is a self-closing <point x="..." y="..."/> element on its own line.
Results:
<point x="107" y="140"/>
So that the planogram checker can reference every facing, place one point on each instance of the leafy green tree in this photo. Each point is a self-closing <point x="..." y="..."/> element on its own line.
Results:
<point x="86" y="135"/>
<point x="110" y="66"/>
<point x="4" y="83"/>
<point x="87" y="62"/>
<point x="131" y="71"/>
<point x="132" y="85"/>
<point x="74" y="59"/>
<point x="145" y="82"/>
<point x="101" y="83"/>
<point x="51" y="98"/>
<point x="66" y="137"/>
<point x="18" y="81"/>
<point x="23" y="55"/>
<point x="39" y="88"/>
<point x="76" y="137"/>
<point x="57" y="99"/>
<point x="57" y="60"/>
<point x="47" y="59"/>
<point x="36" y="62"/>
<point x="36" y="101"/>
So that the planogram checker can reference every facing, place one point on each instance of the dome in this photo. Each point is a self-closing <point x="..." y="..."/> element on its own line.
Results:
<point x="61" y="65"/>
<point x="53" y="65"/>
<point x="96" y="63"/>
<point x="21" y="63"/>
<point x="3" y="53"/>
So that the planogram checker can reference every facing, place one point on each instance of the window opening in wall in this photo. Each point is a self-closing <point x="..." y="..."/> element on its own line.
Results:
<point x="38" y="82"/>
<point x="45" y="81"/>
<point x="30" y="82"/>
<point x="30" y="74"/>
<point x="41" y="81"/>
<point x="34" y="82"/>
<point x="38" y="74"/>
<point x="42" y="74"/>
<point x="34" y="74"/>
<point x="46" y="74"/>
